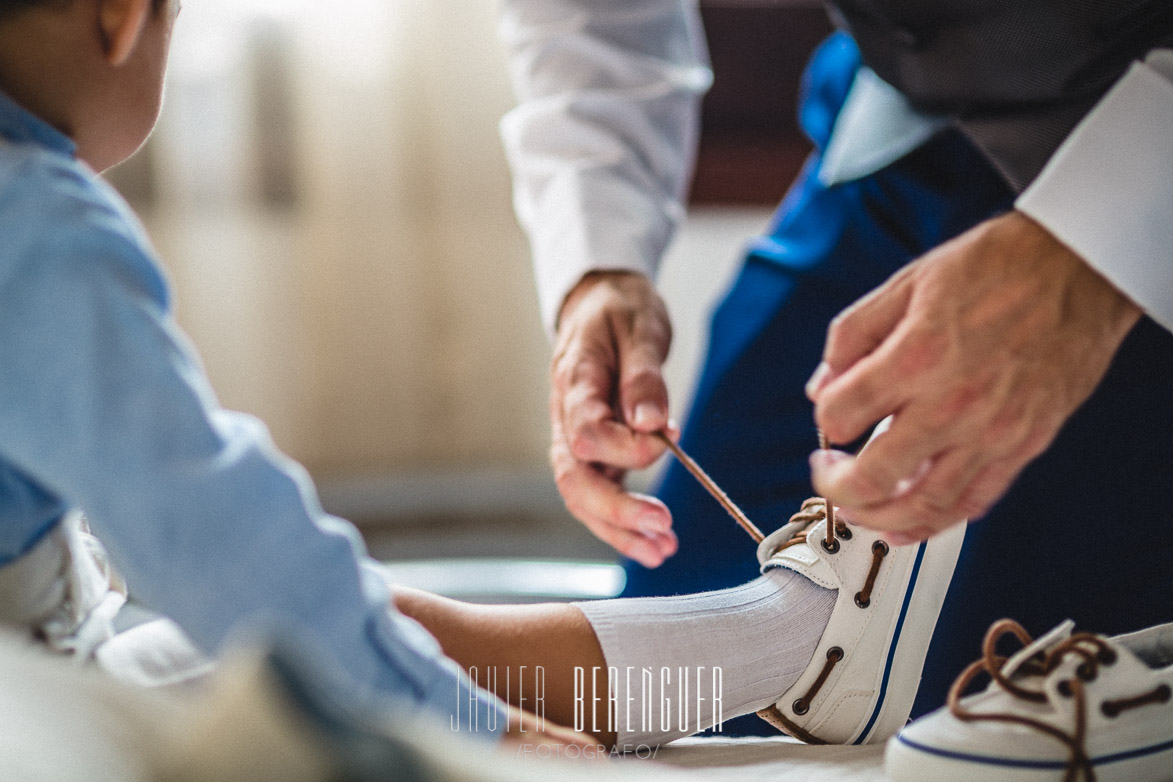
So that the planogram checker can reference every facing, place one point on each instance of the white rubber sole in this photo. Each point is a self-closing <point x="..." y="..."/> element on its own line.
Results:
<point x="932" y="573"/>
<point x="905" y="762"/>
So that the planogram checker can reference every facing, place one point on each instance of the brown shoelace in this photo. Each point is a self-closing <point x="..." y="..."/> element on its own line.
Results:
<point x="1093" y="651"/>
<point x="834" y="527"/>
<point x="813" y="510"/>
<point x="712" y="488"/>
<point x="802" y="704"/>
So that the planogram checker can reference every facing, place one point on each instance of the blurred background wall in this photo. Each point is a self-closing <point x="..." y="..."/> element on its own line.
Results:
<point x="327" y="188"/>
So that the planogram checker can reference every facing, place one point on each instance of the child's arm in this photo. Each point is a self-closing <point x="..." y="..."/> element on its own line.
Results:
<point x="103" y="405"/>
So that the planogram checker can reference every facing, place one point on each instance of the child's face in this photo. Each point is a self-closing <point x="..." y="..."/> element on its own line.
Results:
<point x="131" y="104"/>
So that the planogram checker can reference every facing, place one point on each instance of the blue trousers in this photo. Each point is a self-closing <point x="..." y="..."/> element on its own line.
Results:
<point x="1086" y="531"/>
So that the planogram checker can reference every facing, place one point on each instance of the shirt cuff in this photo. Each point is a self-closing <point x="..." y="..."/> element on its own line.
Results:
<point x="442" y="690"/>
<point x="609" y="227"/>
<point x="556" y="281"/>
<point x="1107" y="193"/>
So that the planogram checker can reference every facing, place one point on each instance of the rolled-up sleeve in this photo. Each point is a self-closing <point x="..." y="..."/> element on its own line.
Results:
<point x="603" y="140"/>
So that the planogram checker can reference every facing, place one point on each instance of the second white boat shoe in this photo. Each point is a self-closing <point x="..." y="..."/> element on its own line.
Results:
<point x="1069" y="706"/>
<point x="860" y="685"/>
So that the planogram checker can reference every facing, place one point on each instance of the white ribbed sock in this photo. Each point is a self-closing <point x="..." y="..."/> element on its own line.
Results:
<point x="662" y="651"/>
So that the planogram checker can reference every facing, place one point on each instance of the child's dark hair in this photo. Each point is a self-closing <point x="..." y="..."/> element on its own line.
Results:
<point x="12" y="7"/>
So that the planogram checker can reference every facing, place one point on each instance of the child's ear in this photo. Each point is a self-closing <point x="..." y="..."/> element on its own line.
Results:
<point x="121" y="24"/>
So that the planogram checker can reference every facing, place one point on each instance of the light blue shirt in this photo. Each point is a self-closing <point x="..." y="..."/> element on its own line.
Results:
<point x="104" y="407"/>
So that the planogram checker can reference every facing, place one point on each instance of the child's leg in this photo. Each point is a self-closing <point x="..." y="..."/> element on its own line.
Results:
<point x="760" y="635"/>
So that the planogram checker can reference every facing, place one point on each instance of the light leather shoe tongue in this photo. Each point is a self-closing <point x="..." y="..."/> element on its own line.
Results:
<point x="777" y="538"/>
<point x="1040" y="644"/>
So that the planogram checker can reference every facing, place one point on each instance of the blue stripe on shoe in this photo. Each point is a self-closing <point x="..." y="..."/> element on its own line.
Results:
<point x="920" y="555"/>
<point x="1034" y="764"/>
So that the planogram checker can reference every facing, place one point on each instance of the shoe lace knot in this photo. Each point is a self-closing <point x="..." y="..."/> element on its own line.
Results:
<point x="814" y="510"/>
<point x="1091" y="651"/>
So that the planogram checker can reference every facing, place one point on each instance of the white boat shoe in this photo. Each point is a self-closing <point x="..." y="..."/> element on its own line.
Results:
<point x="861" y="682"/>
<point x="1066" y="707"/>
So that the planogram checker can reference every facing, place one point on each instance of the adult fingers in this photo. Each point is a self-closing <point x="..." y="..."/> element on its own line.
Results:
<point x="906" y="366"/>
<point x="974" y="486"/>
<point x="890" y="463"/>
<point x="954" y="473"/>
<point x="635" y="525"/>
<point x="992" y="353"/>
<point x="613" y="335"/>
<point x="947" y="479"/>
<point x="860" y="329"/>
<point x="919" y="453"/>
<point x="610" y="348"/>
<point x="594" y="435"/>
<point x="583" y="385"/>
<point x="906" y="514"/>
<point x="922" y="508"/>
<point x="995" y="478"/>
<point x="908" y="537"/>
<point x="609" y="509"/>
<point x="642" y="345"/>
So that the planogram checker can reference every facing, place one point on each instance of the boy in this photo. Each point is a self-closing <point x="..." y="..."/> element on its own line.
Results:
<point x="104" y="408"/>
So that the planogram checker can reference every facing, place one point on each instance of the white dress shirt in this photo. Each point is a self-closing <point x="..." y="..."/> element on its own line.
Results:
<point x="603" y="141"/>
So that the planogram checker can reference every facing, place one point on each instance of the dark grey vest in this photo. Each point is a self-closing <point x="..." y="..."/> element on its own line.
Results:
<point x="1017" y="74"/>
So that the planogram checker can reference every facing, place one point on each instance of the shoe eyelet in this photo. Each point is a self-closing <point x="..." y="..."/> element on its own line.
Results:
<point x="835" y="653"/>
<point x="1106" y="656"/>
<point x="800" y="707"/>
<point x="1110" y="710"/>
<point x="843" y="532"/>
<point x="880" y="547"/>
<point x="1064" y="688"/>
<point x="832" y="548"/>
<point x="862" y="603"/>
<point x="1086" y="672"/>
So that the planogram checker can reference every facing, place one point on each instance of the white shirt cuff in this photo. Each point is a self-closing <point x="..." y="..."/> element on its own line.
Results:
<point x="1107" y="193"/>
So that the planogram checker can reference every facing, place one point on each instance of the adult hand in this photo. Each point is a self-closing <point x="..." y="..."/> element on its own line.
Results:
<point x="607" y="399"/>
<point x="982" y="349"/>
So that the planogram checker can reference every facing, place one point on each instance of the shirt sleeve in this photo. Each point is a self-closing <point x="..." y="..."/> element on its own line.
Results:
<point x="102" y="402"/>
<point x="1107" y="193"/>
<point x="603" y="140"/>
